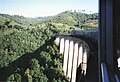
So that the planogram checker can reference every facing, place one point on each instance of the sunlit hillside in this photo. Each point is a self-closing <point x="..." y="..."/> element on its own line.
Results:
<point x="27" y="49"/>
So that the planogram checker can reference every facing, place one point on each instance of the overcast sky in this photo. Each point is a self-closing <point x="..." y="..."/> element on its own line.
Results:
<point x="37" y="8"/>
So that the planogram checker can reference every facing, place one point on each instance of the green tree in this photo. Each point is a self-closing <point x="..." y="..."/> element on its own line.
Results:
<point x="36" y="72"/>
<point x="14" y="77"/>
<point x="28" y="77"/>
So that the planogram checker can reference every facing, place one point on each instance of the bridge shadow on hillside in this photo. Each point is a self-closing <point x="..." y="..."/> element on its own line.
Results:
<point x="23" y="61"/>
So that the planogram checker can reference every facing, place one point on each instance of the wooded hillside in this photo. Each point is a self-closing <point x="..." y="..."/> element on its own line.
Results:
<point x="27" y="49"/>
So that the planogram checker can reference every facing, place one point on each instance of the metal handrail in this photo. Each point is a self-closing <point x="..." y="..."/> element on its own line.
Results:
<point x="104" y="73"/>
<point x="116" y="77"/>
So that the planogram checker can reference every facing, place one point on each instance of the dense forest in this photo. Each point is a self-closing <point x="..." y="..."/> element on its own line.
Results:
<point x="27" y="49"/>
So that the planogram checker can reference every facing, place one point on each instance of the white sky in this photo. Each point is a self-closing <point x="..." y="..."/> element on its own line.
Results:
<point x="37" y="8"/>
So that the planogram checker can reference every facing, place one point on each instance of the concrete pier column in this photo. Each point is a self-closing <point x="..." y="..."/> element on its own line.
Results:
<point x="80" y="54"/>
<point x="62" y="46"/>
<point x="57" y="40"/>
<point x="84" y="66"/>
<point x="75" y="62"/>
<point x="118" y="60"/>
<point x="65" y="61"/>
<point x="70" y="59"/>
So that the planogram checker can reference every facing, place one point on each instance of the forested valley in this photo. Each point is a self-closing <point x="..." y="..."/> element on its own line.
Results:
<point x="28" y="52"/>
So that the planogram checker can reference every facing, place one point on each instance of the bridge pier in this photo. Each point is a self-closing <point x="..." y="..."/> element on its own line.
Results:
<point x="74" y="53"/>
<point x="70" y="58"/>
<point x="80" y="54"/>
<point x="73" y="79"/>
<point x="62" y="46"/>
<point x="65" y="60"/>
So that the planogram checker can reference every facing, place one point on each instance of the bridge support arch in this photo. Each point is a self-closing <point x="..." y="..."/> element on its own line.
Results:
<point x="75" y="53"/>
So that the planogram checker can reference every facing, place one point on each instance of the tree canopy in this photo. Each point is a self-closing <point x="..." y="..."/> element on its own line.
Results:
<point x="26" y="50"/>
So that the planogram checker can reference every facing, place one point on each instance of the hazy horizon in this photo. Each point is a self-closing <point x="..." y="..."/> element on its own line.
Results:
<point x="42" y="8"/>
